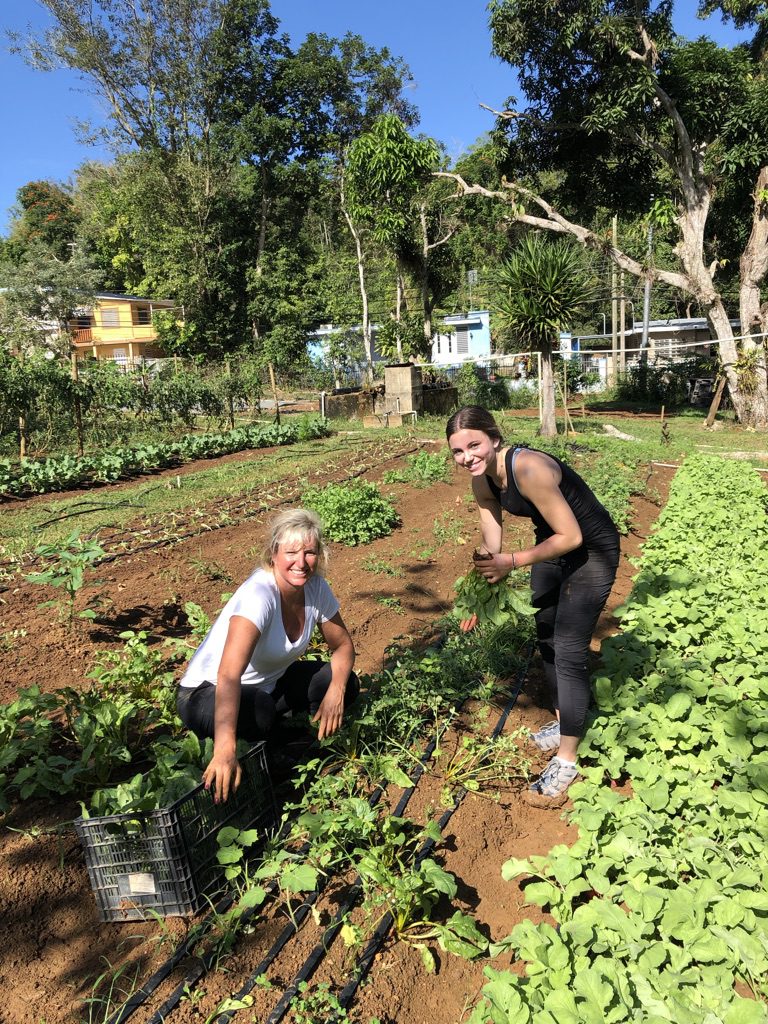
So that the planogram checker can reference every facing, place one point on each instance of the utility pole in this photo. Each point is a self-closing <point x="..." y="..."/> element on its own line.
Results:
<point x="647" y="292"/>
<point x="614" y="308"/>
<point x="622" y="325"/>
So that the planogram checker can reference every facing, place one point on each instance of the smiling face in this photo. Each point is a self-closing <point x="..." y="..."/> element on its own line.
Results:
<point x="295" y="561"/>
<point x="474" y="451"/>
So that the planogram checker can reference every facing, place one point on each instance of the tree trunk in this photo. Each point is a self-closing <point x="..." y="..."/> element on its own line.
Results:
<point x="753" y="266"/>
<point x="548" y="425"/>
<point x="426" y="298"/>
<point x="230" y="396"/>
<point x="399" y="289"/>
<point x="367" y="343"/>
<point x="363" y="295"/>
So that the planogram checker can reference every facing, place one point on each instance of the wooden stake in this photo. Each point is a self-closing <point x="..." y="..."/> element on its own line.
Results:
<point x="717" y="398"/>
<point x="274" y="393"/>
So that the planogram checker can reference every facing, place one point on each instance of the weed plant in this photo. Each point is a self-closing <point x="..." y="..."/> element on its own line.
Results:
<point x="137" y="672"/>
<point x="380" y="567"/>
<point x="422" y="470"/>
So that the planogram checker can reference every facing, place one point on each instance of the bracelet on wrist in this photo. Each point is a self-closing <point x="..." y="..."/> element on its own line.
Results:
<point x="514" y="566"/>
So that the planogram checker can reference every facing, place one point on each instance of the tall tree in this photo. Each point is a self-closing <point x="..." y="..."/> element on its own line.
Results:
<point x="387" y="169"/>
<point x="46" y="291"/>
<point x="174" y="76"/>
<point x="627" y="110"/>
<point x="46" y="215"/>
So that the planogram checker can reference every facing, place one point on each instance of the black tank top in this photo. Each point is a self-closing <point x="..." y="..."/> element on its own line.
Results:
<point x="597" y="528"/>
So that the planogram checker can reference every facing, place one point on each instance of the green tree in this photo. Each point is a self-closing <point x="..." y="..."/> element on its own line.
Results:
<point x="47" y="291"/>
<point x="623" y="109"/>
<point x="386" y="169"/>
<point x="46" y="215"/>
<point x="176" y="78"/>
<point x="541" y="289"/>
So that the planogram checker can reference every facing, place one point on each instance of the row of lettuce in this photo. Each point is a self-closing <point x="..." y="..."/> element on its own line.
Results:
<point x="661" y="906"/>
<point x="41" y="476"/>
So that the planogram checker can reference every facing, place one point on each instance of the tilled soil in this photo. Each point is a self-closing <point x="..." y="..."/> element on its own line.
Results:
<point x="55" y="948"/>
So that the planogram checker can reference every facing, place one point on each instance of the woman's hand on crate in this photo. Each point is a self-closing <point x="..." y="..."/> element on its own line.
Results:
<point x="223" y="774"/>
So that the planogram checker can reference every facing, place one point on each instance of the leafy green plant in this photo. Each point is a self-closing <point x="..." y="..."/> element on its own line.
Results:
<point x="353" y="513"/>
<point x="395" y="881"/>
<point x="317" y="1005"/>
<point x="422" y="470"/>
<point x="137" y="672"/>
<point x="177" y="766"/>
<point x="491" y="602"/>
<point x="233" y="846"/>
<point x="59" y="473"/>
<point x="68" y="563"/>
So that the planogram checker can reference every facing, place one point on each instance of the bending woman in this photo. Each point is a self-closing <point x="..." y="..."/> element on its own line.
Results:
<point x="247" y="671"/>
<point x="573" y="565"/>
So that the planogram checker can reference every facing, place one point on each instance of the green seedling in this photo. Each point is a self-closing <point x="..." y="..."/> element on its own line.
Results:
<point x="68" y="563"/>
<point x="380" y="567"/>
<point x="317" y="1005"/>
<point x="447" y="530"/>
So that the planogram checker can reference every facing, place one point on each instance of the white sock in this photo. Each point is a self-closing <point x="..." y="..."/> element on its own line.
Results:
<point x="562" y="760"/>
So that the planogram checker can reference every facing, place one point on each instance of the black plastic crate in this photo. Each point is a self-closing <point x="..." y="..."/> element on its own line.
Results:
<point x="164" y="862"/>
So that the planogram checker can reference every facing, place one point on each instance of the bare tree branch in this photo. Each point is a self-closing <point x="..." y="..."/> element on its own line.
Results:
<point x="554" y="221"/>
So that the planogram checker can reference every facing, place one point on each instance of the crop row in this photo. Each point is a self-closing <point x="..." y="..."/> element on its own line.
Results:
<point x="31" y="476"/>
<point x="661" y="906"/>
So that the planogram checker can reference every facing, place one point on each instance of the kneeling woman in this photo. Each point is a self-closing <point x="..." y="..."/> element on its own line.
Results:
<point x="573" y="565"/>
<point x="247" y="670"/>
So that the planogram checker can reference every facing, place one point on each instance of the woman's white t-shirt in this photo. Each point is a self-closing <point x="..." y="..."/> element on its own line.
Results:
<point x="258" y="600"/>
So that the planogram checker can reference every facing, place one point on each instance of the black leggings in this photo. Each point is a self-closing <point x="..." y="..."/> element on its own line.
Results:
<point x="569" y="593"/>
<point x="301" y="688"/>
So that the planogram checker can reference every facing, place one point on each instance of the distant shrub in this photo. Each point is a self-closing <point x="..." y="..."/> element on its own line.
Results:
<point x="475" y="389"/>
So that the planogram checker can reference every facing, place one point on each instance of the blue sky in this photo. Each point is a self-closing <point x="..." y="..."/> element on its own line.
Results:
<point x="449" y="56"/>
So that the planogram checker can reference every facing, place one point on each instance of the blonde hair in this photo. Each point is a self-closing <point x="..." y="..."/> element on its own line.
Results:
<point x="301" y="523"/>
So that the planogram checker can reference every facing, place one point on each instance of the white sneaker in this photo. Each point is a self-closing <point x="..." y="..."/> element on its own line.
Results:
<point x="548" y="736"/>
<point x="551" y="787"/>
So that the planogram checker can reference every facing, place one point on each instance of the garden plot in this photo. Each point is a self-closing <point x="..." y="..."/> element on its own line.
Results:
<point x="56" y="944"/>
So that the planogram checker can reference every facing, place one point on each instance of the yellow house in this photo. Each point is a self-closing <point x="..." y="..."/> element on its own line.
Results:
<point x="118" y="327"/>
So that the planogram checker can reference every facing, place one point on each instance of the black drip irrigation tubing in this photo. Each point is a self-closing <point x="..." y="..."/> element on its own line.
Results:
<point x="317" y="955"/>
<point x="138" y="998"/>
<point x="364" y="962"/>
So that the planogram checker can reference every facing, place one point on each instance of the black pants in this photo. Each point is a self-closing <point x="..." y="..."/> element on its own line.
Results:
<point x="301" y="688"/>
<point x="569" y="593"/>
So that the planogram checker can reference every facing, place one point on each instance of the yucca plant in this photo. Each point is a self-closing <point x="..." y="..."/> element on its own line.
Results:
<point x="540" y="290"/>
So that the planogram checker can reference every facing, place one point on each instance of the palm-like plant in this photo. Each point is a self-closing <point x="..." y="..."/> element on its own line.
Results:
<point x="540" y="290"/>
